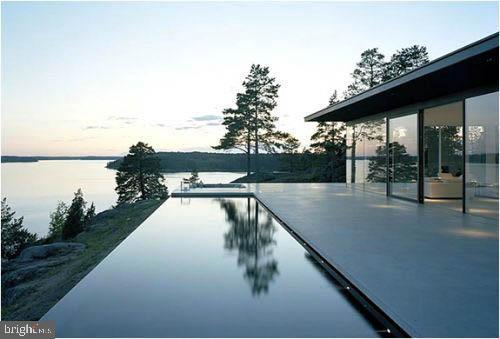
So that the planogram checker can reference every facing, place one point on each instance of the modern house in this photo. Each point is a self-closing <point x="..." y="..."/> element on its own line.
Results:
<point x="430" y="135"/>
<point x="323" y="259"/>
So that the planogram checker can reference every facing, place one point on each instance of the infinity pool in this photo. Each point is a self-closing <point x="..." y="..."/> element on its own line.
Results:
<point x="206" y="267"/>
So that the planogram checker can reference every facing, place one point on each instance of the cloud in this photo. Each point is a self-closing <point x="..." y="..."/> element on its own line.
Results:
<point x="195" y="125"/>
<point x="123" y="119"/>
<point x="207" y="117"/>
<point x="181" y="128"/>
<point x="95" y="127"/>
<point x="73" y="139"/>
<point x="127" y="120"/>
<point x="161" y="125"/>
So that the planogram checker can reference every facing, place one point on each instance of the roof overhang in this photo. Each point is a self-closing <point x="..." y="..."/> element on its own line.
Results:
<point x="473" y="66"/>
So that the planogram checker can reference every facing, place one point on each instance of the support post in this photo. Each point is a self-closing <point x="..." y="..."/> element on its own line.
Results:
<point x="420" y="132"/>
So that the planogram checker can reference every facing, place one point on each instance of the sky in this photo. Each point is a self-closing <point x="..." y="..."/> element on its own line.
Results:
<point x="92" y="78"/>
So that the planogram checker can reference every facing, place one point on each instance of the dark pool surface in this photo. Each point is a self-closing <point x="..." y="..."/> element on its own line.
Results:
<point x="209" y="268"/>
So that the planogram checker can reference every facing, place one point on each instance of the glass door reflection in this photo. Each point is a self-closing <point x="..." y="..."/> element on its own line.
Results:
<point x="403" y="156"/>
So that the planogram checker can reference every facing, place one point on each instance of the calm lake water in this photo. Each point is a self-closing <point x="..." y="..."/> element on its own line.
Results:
<point x="206" y="267"/>
<point x="33" y="189"/>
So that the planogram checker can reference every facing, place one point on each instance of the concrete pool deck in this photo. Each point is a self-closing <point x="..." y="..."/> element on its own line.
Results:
<point x="434" y="271"/>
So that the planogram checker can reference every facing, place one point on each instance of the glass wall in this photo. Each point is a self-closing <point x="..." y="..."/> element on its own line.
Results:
<point x="366" y="155"/>
<point x="348" y="155"/>
<point x="403" y="156"/>
<point x="375" y="156"/>
<point x="354" y="156"/>
<point x="443" y="152"/>
<point x="481" y="166"/>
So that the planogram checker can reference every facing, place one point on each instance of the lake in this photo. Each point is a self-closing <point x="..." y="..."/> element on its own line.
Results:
<point x="33" y="189"/>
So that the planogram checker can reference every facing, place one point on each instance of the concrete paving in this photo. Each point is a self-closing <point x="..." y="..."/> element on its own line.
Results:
<point x="432" y="270"/>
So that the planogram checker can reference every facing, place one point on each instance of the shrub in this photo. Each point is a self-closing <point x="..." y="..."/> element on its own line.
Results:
<point x="57" y="220"/>
<point x="74" y="222"/>
<point x="15" y="237"/>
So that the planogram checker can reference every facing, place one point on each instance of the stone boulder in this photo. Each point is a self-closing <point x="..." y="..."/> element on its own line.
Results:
<point x="49" y="250"/>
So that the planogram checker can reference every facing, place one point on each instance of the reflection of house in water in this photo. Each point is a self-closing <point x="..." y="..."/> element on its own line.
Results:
<point x="252" y="235"/>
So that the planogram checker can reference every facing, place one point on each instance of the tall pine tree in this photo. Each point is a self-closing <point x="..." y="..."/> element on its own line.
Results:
<point x="259" y="96"/>
<point x="251" y="124"/>
<point x="369" y="72"/>
<point x="239" y="130"/>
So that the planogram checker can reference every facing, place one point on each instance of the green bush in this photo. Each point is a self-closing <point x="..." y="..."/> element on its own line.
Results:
<point x="15" y="237"/>
<point x="77" y="216"/>
<point x="57" y="220"/>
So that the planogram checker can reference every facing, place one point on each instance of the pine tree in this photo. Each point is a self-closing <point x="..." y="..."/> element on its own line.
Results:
<point x="330" y="139"/>
<point x="139" y="175"/>
<point x="259" y="98"/>
<point x="406" y="60"/>
<point x="15" y="237"/>
<point x="377" y="166"/>
<point x="370" y="130"/>
<point x="369" y="72"/>
<point x="57" y="220"/>
<point x="75" y="222"/>
<point x="289" y="146"/>
<point x="89" y="215"/>
<point x="403" y="168"/>
<point x="251" y="124"/>
<point x="238" y="123"/>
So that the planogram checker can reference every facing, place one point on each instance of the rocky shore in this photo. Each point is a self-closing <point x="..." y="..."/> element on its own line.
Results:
<point x="41" y="275"/>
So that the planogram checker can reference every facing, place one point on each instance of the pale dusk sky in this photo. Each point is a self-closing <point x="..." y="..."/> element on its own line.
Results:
<point x="93" y="78"/>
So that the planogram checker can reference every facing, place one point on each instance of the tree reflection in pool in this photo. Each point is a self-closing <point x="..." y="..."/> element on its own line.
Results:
<point x="251" y="233"/>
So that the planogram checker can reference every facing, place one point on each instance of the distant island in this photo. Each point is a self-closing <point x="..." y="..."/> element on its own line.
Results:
<point x="211" y="162"/>
<point x="14" y="158"/>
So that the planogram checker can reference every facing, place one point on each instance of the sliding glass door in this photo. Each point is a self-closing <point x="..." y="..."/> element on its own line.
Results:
<point x="403" y="156"/>
<point x="443" y="155"/>
<point x="481" y="162"/>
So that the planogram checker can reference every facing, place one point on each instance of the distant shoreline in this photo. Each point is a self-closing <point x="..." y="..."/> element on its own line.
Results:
<point x="15" y="158"/>
<point x="212" y="162"/>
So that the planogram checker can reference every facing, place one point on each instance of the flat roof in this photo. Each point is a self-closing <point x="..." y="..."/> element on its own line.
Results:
<point x="472" y="66"/>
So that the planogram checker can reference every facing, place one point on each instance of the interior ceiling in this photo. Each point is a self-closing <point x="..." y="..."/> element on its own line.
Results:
<point x="445" y="115"/>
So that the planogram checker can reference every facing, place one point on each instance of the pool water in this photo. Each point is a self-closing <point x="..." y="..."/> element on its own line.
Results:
<point x="207" y="267"/>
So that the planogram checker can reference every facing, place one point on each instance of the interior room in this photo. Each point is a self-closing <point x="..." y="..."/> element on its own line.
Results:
<point x="443" y="155"/>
